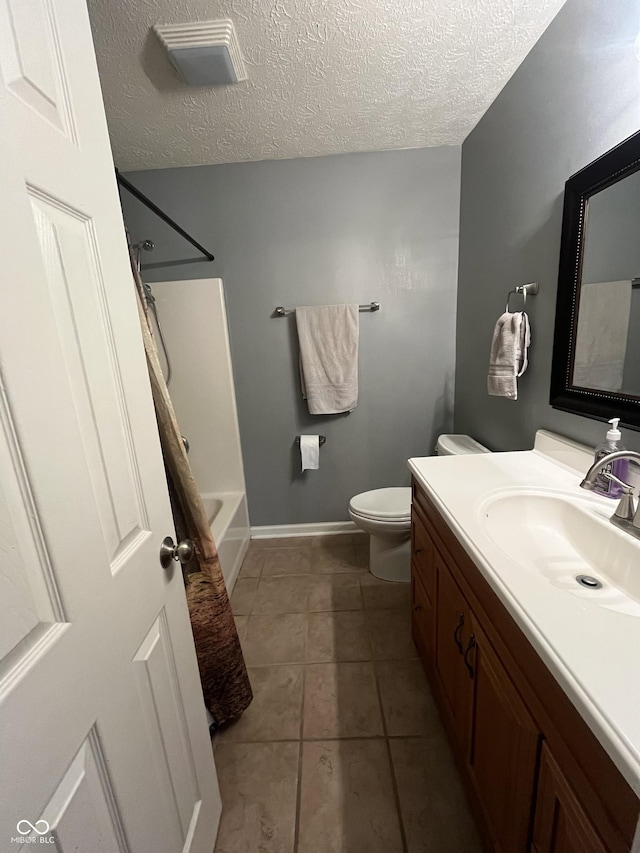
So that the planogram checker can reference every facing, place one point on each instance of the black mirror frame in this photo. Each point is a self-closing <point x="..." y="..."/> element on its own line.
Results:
<point x="608" y="169"/>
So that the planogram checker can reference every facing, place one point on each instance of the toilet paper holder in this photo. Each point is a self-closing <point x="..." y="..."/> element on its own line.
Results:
<point x="321" y="439"/>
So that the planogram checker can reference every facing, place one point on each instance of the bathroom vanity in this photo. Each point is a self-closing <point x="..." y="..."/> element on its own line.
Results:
<point x="533" y="689"/>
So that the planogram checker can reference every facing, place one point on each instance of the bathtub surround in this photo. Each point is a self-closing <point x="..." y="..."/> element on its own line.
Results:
<point x="339" y="229"/>
<point x="574" y="97"/>
<point x="194" y="322"/>
<point x="229" y="524"/>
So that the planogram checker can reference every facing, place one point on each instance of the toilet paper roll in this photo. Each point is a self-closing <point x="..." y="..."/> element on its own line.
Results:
<point x="310" y="452"/>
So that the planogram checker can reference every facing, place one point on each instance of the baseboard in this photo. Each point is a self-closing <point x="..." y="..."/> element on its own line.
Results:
<point x="319" y="528"/>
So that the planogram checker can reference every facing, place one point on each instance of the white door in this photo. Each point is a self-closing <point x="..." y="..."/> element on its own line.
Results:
<point x="104" y="744"/>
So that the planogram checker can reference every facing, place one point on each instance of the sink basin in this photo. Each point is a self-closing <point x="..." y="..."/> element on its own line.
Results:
<point x="562" y="537"/>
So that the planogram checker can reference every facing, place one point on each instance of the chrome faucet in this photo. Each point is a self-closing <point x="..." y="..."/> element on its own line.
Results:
<point x="627" y="514"/>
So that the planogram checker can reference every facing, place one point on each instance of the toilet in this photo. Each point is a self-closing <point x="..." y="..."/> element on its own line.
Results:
<point x="385" y="514"/>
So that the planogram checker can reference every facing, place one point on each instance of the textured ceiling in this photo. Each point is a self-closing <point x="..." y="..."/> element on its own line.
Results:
<point x="324" y="77"/>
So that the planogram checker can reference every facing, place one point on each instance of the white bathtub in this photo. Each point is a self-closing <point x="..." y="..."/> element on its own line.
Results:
<point x="229" y="522"/>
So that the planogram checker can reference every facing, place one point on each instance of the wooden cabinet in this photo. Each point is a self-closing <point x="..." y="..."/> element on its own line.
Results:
<point x="423" y="557"/>
<point x="453" y="644"/>
<point x="516" y="736"/>
<point x="505" y="743"/>
<point x="561" y="824"/>
<point x="422" y="621"/>
<point x="423" y="588"/>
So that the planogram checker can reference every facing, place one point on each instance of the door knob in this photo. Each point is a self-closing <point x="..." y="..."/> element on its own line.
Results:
<point x="181" y="553"/>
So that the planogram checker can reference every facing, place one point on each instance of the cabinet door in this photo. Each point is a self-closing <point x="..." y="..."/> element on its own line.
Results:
<point x="504" y="748"/>
<point x="561" y="824"/>
<point x="423" y="587"/>
<point x="453" y="630"/>
<point x="422" y="557"/>
<point x="422" y="622"/>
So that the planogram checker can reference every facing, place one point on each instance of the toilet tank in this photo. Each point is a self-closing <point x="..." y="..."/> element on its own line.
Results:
<point x="454" y="445"/>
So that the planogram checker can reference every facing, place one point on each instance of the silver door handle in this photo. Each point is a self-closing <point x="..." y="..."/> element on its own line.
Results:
<point x="181" y="553"/>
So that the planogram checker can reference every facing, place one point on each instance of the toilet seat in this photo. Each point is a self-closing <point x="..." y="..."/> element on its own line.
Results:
<point x="389" y="505"/>
<point x="381" y="526"/>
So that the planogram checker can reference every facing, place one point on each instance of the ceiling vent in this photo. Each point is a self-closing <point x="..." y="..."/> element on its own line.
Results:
<point x="205" y="53"/>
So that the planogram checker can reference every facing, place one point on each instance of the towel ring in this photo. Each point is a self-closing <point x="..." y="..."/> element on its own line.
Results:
<point x="533" y="287"/>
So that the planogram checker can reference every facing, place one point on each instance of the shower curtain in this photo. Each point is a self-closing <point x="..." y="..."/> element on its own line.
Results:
<point x="225" y="683"/>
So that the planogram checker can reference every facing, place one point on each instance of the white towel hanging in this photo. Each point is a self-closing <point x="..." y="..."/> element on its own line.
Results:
<point x="509" y="354"/>
<point x="328" y="336"/>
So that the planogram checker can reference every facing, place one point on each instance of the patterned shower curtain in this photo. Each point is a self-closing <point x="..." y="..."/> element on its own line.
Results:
<point x="225" y="683"/>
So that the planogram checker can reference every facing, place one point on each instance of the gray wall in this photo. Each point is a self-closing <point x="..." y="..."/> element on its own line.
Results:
<point x="575" y="96"/>
<point x="347" y="228"/>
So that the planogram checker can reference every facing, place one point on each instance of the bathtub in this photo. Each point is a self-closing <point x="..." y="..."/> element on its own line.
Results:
<point x="229" y="522"/>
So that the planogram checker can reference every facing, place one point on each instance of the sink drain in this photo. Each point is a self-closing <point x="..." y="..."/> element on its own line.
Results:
<point x="589" y="582"/>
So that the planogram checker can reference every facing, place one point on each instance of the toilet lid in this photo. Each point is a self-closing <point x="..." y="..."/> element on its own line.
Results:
<point x="454" y="445"/>
<point x="393" y="504"/>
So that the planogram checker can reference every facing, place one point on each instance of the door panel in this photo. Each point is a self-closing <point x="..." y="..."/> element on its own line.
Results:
<point x="30" y="63"/>
<point x="423" y="556"/>
<point x="76" y="290"/>
<point x="28" y="588"/>
<point x="97" y="665"/>
<point x="165" y="720"/>
<point x="504" y="748"/>
<point x="453" y="632"/>
<point x="561" y="824"/>
<point x="422" y="621"/>
<point x="83" y="805"/>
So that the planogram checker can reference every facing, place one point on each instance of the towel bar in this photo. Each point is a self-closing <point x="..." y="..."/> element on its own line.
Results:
<point x="281" y="312"/>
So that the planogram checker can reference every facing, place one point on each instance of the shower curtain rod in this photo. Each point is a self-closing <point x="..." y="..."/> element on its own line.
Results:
<point x="159" y="212"/>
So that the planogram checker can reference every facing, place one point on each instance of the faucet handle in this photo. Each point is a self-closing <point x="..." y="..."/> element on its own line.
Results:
<point x="626" y="508"/>
<point x="626" y="487"/>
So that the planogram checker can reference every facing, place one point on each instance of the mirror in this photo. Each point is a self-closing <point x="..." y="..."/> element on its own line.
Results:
<point x="596" y="351"/>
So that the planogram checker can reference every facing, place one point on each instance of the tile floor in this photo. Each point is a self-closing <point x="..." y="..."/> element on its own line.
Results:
<point x="342" y="750"/>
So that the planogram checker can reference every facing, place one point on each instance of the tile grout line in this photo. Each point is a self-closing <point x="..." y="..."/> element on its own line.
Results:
<point x="361" y="595"/>
<point x="327" y="739"/>
<point x="296" y="828"/>
<point x="394" y="782"/>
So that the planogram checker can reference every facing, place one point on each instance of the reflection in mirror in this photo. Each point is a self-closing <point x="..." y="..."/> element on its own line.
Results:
<point x="607" y="346"/>
<point x="596" y="344"/>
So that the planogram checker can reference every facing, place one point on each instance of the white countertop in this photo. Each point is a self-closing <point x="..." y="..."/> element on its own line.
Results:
<point x="593" y="652"/>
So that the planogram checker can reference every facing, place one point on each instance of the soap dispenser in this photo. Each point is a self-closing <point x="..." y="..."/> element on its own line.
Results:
<point x="619" y="467"/>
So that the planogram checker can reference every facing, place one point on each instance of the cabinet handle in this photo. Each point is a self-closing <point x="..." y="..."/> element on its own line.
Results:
<point x="456" y="633"/>
<point x="417" y="608"/>
<point x="417" y="551"/>
<point x="470" y="645"/>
